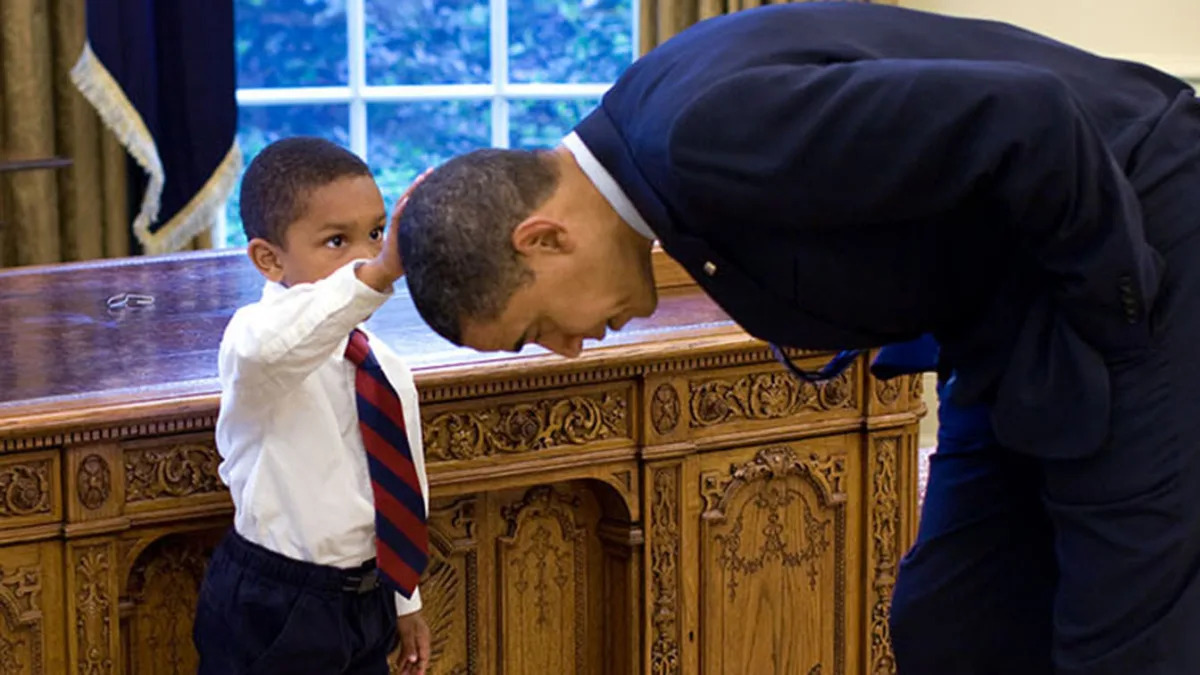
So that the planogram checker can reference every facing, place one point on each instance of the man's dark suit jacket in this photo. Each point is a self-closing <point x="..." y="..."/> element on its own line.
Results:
<point x="841" y="175"/>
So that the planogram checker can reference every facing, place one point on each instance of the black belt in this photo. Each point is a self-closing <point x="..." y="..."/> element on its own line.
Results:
<point x="363" y="581"/>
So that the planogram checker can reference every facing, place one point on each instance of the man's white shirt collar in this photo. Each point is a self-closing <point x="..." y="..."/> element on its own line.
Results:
<point x="607" y="186"/>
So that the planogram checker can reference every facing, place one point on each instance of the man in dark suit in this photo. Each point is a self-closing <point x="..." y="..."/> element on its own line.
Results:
<point x="844" y="176"/>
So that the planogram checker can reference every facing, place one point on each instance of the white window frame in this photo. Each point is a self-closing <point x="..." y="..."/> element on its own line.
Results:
<point x="357" y="94"/>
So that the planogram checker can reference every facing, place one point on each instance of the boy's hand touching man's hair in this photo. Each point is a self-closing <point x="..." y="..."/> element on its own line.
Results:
<point x="381" y="272"/>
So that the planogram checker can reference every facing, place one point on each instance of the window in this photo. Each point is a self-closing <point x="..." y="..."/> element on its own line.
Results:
<point x="408" y="84"/>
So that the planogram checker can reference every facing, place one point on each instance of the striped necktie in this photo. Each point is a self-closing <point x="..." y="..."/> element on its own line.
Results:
<point x="401" y="532"/>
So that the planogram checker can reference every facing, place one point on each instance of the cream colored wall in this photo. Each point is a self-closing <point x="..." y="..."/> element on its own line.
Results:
<point x="1161" y="33"/>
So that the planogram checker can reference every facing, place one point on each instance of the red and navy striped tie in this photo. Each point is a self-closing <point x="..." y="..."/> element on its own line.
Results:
<point x="401" y="530"/>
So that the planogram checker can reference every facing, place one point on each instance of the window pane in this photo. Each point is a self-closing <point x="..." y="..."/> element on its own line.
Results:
<point x="427" y="42"/>
<point x="542" y="124"/>
<point x="404" y="139"/>
<point x="260" y="125"/>
<point x="290" y="43"/>
<point x="563" y="41"/>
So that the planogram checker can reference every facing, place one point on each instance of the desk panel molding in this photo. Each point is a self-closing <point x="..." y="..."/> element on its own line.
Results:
<point x="670" y="503"/>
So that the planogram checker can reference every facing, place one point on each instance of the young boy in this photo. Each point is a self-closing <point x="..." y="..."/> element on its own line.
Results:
<point x="319" y="435"/>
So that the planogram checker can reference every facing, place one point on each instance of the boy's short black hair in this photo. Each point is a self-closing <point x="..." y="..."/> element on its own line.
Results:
<point x="277" y="183"/>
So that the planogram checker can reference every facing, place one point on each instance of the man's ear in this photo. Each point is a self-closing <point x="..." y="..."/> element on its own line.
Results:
<point x="539" y="235"/>
<point x="267" y="257"/>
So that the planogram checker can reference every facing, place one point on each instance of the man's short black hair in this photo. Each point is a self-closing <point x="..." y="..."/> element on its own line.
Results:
<point x="276" y="185"/>
<point x="456" y="235"/>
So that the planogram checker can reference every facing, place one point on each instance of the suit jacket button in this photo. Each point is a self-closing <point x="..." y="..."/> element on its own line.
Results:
<point x="710" y="268"/>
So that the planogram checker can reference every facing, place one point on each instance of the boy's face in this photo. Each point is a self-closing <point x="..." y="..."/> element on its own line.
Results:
<point x="342" y="221"/>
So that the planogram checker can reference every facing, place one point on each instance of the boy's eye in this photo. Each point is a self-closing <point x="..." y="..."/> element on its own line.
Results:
<point x="377" y="234"/>
<point x="335" y="241"/>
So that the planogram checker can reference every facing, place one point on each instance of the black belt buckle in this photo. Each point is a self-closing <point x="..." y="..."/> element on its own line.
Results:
<point x="362" y="583"/>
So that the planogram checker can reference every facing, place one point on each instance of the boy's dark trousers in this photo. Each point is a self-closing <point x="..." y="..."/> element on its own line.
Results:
<point x="261" y="612"/>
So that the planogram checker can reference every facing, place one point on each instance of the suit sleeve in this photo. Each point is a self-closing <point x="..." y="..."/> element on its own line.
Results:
<point x="869" y="143"/>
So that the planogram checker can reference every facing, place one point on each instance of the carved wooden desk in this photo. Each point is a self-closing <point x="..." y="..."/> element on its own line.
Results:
<point x="671" y="502"/>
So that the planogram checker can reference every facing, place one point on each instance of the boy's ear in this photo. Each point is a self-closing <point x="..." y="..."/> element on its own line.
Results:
<point x="267" y="257"/>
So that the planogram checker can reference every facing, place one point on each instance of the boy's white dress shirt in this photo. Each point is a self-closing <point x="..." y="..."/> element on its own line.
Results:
<point x="292" y="454"/>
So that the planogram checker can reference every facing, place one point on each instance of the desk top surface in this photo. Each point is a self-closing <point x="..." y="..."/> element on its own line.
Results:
<point x="64" y="347"/>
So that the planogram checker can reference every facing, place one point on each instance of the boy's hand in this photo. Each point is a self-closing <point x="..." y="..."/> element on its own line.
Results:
<point x="391" y="243"/>
<point x="414" y="644"/>
<point x="383" y="271"/>
<point x="404" y="199"/>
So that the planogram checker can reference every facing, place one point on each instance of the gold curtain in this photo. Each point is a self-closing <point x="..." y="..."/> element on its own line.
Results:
<point x="73" y="213"/>
<point x="663" y="18"/>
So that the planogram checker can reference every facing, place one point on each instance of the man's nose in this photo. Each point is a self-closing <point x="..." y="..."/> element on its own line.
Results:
<point x="569" y="346"/>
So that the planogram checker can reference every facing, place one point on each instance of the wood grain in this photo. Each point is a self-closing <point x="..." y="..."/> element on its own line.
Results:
<point x="670" y="503"/>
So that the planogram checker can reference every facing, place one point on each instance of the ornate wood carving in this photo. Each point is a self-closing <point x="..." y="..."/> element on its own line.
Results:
<point x="440" y="587"/>
<point x="25" y="488"/>
<point x="111" y="432"/>
<point x="93" y="609"/>
<point x="888" y="391"/>
<point x="457" y="521"/>
<point x="885" y="517"/>
<point x="472" y="597"/>
<point x="780" y="541"/>
<point x="21" y="608"/>
<point x="450" y="589"/>
<point x="97" y="432"/>
<point x="766" y="396"/>
<point x="665" y="409"/>
<point x="916" y="384"/>
<point x="658" y="364"/>
<point x="513" y="428"/>
<point x="164" y="587"/>
<point x="93" y="481"/>
<point x="176" y="471"/>
<point x="578" y="423"/>
<point x="825" y="473"/>
<point x="543" y="566"/>
<point x="665" y="656"/>
<point x="815" y="536"/>
<point x="548" y="561"/>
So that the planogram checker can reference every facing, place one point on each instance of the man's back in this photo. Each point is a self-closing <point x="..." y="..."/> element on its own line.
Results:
<point x="1123" y="99"/>
<point x="1004" y="186"/>
<point x="847" y="175"/>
